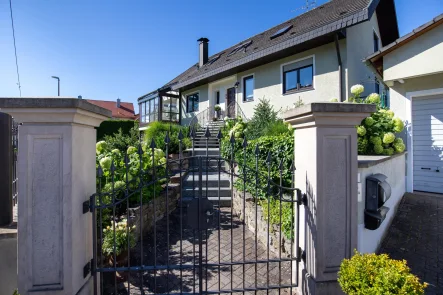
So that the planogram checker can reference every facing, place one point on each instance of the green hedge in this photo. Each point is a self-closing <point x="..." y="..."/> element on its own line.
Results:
<point x="281" y="149"/>
<point x="157" y="131"/>
<point x="110" y="127"/>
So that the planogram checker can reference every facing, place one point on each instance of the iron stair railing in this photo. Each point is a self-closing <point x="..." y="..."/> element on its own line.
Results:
<point x="235" y="109"/>
<point x="204" y="117"/>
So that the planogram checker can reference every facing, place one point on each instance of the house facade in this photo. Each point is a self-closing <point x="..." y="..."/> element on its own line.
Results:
<point x="412" y="68"/>
<point x="316" y="56"/>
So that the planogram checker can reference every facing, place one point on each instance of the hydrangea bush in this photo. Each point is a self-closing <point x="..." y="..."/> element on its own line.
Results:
<point x="377" y="134"/>
<point x="129" y="176"/>
<point x="123" y="234"/>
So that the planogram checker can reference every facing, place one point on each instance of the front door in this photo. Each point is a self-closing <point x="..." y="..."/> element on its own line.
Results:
<point x="230" y="102"/>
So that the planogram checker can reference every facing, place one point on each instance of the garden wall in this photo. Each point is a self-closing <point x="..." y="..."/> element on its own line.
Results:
<point x="262" y="224"/>
<point x="149" y="213"/>
<point x="394" y="168"/>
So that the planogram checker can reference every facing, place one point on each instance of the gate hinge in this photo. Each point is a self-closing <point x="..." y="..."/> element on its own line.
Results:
<point x="301" y="254"/>
<point x="302" y="198"/>
<point x="87" y="206"/>
<point x="87" y="268"/>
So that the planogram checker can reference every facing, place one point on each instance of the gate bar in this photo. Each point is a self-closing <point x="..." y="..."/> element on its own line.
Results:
<point x="6" y="162"/>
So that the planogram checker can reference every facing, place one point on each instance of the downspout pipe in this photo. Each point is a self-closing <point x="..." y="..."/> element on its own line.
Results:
<point x="340" y="68"/>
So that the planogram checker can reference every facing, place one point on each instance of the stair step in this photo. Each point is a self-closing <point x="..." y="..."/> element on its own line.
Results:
<point x="204" y="151"/>
<point x="204" y="145"/>
<point x="223" y="202"/>
<point x="203" y="139"/>
<point x="211" y="191"/>
<point x="210" y="178"/>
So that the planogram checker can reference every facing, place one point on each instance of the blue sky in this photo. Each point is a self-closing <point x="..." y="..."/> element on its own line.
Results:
<point x="109" y="49"/>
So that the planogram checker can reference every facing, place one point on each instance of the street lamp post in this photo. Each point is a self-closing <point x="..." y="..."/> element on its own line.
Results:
<point x="58" y="79"/>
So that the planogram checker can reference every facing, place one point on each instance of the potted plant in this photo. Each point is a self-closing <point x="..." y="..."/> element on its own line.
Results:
<point x="120" y="244"/>
<point x="217" y="110"/>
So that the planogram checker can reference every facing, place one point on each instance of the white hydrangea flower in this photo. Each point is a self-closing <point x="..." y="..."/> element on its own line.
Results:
<point x="357" y="89"/>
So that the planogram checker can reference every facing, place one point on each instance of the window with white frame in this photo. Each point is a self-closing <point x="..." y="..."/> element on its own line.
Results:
<point x="298" y="75"/>
<point x="192" y="103"/>
<point x="248" y="88"/>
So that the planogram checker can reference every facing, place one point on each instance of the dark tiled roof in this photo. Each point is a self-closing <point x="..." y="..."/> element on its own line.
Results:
<point x="327" y="18"/>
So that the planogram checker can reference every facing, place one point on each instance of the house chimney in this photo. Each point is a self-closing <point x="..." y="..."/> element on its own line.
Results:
<point x="203" y="51"/>
<point x="118" y="102"/>
<point x="80" y="97"/>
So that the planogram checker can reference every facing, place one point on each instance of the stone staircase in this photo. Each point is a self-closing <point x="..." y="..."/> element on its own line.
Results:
<point x="215" y="185"/>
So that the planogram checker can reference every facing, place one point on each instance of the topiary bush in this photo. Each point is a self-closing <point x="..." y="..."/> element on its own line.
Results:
<point x="377" y="274"/>
<point x="158" y="130"/>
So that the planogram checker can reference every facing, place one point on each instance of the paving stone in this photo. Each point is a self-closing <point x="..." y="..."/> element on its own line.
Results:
<point x="183" y="250"/>
<point x="415" y="235"/>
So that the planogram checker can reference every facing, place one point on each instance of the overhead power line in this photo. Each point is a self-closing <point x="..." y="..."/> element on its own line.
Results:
<point x="15" y="48"/>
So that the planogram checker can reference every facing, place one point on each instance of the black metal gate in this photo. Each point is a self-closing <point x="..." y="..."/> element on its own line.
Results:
<point x="195" y="223"/>
<point x="14" y="161"/>
<point x="8" y="168"/>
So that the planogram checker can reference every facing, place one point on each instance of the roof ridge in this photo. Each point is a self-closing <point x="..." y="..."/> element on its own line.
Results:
<point x="107" y="100"/>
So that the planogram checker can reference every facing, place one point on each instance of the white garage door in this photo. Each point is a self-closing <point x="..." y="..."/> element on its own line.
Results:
<point x="427" y="128"/>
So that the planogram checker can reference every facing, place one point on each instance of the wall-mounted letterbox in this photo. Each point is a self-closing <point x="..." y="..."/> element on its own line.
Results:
<point x="378" y="192"/>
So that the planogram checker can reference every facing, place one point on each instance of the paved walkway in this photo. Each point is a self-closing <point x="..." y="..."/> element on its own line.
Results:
<point x="184" y="249"/>
<point x="416" y="235"/>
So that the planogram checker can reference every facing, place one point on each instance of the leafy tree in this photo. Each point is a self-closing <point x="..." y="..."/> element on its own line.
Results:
<point x="122" y="141"/>
<point x="264" y="115"/>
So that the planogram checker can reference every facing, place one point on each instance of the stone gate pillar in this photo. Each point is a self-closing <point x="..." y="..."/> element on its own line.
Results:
<point x="56" y="172"/>
<point x="326" y="171"/>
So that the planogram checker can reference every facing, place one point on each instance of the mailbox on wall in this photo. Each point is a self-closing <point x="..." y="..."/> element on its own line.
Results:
<point x="378" y="191"/>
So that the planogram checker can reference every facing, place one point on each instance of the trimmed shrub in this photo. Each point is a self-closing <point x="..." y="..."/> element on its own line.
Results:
<point x="110" y="127"/>
<point x="121" y="140"/>
<point x="377" y="274"/>
<point x="157" y="131"/>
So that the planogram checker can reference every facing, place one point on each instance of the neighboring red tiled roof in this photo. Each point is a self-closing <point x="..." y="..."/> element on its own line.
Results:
<point x="125" y="111"/>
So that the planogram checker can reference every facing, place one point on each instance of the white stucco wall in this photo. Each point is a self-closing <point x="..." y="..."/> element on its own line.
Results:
<point x="422" y="56"/>
<point x="203" y="102"/>
<point x="398" y="92"/>
<point x="360" y="44"/>
<point x="394" y="168"/>
<point x="268" y="83"/>
<point x="268" y="80"/>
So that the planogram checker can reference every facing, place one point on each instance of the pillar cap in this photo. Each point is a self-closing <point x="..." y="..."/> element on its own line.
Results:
<point x="328" y="114"/>
<point x="52" y="102"/>
<point x="54" y="110"/>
